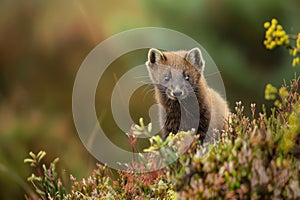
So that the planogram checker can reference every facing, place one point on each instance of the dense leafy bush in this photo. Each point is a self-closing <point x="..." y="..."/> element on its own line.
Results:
<point x="257" y="157"/>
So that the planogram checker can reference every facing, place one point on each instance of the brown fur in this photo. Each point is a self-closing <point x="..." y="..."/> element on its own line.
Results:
<point x="212" y="108"/>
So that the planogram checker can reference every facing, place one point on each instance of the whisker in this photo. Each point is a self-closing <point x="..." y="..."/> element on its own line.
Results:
<point x="146" y="83"/>
<point x="147" y="93"/>
<point x="214" y="73"/>
<point x="148" y="90"/>
<point x="148" y="87"/>
<point x="141" y="76"/>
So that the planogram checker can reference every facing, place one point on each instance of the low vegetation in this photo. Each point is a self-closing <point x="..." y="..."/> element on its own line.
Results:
<point x="258" y="157"/>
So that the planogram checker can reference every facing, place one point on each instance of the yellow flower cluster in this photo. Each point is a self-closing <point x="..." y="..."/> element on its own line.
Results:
<point x="296" y="61"/>
<point x="275" y="35"/>
<point x="270" y="92"/>
<point x="296" y="51"/>
<point x="279" y="95"/>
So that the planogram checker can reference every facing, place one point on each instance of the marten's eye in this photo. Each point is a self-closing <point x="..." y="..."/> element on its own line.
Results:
<point x="166" y="78"/>
<point x="187" y="77"/>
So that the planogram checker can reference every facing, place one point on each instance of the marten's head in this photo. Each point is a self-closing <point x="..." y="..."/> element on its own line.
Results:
<point x="175" y="74"/>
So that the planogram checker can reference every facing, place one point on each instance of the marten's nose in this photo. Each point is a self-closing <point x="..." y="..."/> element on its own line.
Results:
<point x="177" y="93"/>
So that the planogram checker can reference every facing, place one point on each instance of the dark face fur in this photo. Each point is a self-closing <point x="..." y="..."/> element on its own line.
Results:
<point x="175" y="74"/>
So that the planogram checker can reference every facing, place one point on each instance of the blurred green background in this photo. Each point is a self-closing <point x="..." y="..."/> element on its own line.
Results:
<point x="42" y="44"/>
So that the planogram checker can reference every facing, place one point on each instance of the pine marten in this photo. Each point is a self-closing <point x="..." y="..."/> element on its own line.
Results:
<point x="178" y="79"/>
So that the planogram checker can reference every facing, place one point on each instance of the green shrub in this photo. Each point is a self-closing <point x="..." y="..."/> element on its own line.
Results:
<point x="258" y="157"/>
<point x="46" y="182"/>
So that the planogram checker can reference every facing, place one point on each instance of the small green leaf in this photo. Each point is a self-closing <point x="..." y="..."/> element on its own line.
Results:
<point x="149" y="127"/>
<point x="41" y="155"/>
<point x="29" y="160"/>
<point x="142" y="122"/>
<point x="32" y="155"/>
<point x="55" y="160"/>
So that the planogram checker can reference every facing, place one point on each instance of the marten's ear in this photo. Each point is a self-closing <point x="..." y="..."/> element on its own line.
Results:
<point x="155" y="56"/>
<point x="194" y="56"/>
